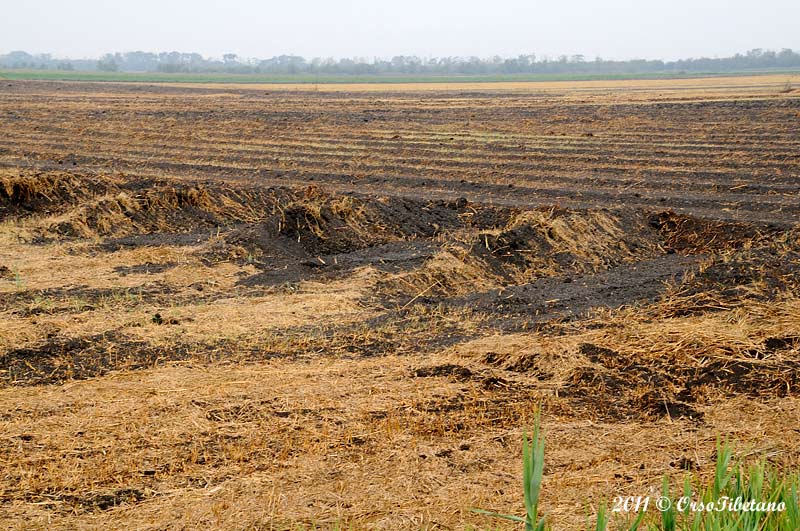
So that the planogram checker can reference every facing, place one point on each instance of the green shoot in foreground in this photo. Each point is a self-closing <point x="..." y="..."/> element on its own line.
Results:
<point x="740" y="498"/>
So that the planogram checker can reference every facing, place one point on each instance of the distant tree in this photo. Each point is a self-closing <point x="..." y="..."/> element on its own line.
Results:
<point x="107" y="64"/>
<point x="139" y="62"/>
<point x="18" y="59"/>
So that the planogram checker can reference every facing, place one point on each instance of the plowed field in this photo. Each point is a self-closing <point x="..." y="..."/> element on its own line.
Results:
<point x="260" y="307"/>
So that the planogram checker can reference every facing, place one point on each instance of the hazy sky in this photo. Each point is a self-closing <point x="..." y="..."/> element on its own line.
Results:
<point x="619" y="29"/>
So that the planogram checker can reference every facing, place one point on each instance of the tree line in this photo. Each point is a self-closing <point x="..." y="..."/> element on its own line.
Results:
<point x="179" y="62"/>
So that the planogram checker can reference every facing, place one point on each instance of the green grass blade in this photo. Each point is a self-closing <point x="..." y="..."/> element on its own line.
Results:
<point x="500" y="515"/>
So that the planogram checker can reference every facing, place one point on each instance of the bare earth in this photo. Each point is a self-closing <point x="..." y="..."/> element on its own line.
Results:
<point x="277" y="307"/>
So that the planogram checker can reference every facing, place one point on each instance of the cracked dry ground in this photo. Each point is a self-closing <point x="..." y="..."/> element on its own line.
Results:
<point x="243" y="308"/>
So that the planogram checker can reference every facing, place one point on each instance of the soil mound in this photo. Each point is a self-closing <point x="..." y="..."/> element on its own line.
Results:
<point x="23" y="192"/>
<point x="310" y="224"/>
<point x="538" y="243"/>
<point x="693" y="235"/>
<point x="439" y="248"/>
<point x="164" y="208"/>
